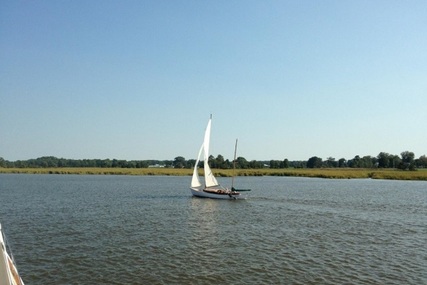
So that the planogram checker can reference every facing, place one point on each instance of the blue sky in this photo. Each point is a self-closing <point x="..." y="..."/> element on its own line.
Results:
<point x="139" y="79"/>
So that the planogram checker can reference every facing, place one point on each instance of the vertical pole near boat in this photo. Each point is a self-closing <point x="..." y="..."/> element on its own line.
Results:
<point x="234" y="166"/>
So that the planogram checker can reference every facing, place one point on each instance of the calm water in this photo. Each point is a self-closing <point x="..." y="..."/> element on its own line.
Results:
<point x="149" y="230"/>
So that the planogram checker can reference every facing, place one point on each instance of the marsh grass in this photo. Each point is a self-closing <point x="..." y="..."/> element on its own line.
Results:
<point x="336" y="173"/>
<point x="99" y="171"/>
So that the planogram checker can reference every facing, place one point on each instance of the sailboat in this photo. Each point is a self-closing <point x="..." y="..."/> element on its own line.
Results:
<point x="211" y="187"/>
<point x="8" y="272"/>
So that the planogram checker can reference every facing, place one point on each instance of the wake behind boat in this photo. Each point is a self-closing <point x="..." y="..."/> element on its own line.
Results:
<point x="8" y="272"/>
<point x="211" y="187"/>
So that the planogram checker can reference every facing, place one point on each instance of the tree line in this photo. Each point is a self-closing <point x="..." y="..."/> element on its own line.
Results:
<point x="405" y="161"/>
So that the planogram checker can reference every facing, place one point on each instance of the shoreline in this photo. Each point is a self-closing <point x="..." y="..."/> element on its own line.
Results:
<point x="327" y="173"/>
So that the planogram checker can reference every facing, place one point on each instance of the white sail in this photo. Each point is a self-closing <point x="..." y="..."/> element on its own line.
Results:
<point x="207" y="139"/>
<point x="8" y="273"/>
<point x="195" y="181"/>
<point x="5" y="277"/>
<point x="210" y="180"/>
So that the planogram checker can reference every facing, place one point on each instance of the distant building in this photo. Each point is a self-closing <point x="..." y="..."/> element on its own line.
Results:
<point x="156" y="166"/>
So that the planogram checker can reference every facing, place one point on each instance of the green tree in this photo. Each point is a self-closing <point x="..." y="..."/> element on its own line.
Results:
<point x="421" y="162"/>
<point x="191" y="163"/>
<point x="228" y="164"/>
<point x="367" y="162"/>
<point x="342" y="162"/>
<point x="314" y="162"/>
<point x="407" y="157"/>
<point x="355" y="162"/>
<point x="330" y="162"/>
<point x="407" y="161"/>
<point x="2" y="162"/>
<point x="256" y="164"/>
<point x="284" y="163"/>
<point x="242" y="163"/>
<point x="212" y="161"/>
<point x="384" y="160"/>
<point x="220" y="162"/>
<point x="274" y="163"/>
<point x="179" y="162"/>
<point x="395" y="161"/>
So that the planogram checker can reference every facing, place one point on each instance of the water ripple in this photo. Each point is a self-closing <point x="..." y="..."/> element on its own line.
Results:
<point x="149" y="230"/>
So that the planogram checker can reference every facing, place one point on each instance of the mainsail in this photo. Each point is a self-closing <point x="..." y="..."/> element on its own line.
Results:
<point x="210" y="180"/>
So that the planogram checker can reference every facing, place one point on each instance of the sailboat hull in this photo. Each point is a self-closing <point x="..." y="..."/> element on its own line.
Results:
<point x="203" y="194"/>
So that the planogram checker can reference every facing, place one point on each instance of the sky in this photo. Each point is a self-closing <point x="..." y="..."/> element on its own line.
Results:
<point x="138" y="80"/>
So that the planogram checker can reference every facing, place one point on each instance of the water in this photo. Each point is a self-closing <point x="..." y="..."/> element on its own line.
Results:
<point x="67" y="229"/>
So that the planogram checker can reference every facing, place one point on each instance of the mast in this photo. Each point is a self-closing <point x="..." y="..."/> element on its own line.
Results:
<point x="234" y="166"/>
